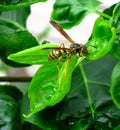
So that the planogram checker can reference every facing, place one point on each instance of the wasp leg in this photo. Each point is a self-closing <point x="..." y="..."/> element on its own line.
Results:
<point x="66" y="65"/>
<point x="58" y="62"/>
<point x="60" y="58"/>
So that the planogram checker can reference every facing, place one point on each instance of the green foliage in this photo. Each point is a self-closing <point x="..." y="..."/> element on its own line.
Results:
<point x="69" y="13"/>
<point x="9" y="108"/>
<point x="33" y="55"/>
<point x="102" y="40"/>
<point x="65" y="94"/>
<point x="53" y="89"/>
<point x="115" y="80"/>
<point x="13" y="15"/>
<point x="91" y="109"/>
<point x="11" y="40"/>
<point x="14" y="4"/>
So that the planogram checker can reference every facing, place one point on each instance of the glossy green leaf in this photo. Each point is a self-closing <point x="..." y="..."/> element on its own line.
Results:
<point x="89" y="104"/>
<point x="115" y="85"/>
<point x="69" y="13"/>
<point x="34" y="55"/>
<point x="49" y="85"/>
<point x="102" y="40"/>
<point x="14" y="4"/>
<point x="41" y="119"/>
<point x="14" y="38"/>
<point x="9" y="107"/>
<point x="115" y="20"/>
<point x="9" y="113"/>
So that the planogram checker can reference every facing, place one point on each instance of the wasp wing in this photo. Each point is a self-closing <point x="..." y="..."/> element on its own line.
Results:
<point x="57" y="48"/>
<point x="59" y="28"/>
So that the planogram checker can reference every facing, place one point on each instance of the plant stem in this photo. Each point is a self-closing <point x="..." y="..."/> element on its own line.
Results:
<point x="103" y="14"/>
<point x="15" y="79"/>
<point x="87" y="89"/>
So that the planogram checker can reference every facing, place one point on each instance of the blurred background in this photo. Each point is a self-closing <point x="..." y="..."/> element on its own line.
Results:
<point x="38" y="23"/>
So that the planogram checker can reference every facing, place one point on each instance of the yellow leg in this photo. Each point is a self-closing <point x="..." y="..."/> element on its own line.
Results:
<point x="58" y="62"/>
<point x="65" y="68"/>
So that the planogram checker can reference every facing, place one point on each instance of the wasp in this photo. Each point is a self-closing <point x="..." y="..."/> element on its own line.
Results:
<point x="62" y="51"/>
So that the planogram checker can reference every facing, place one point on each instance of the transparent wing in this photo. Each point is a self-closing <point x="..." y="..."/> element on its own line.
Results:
<point x="59" y="28"/>
<point x="57" y="48"/>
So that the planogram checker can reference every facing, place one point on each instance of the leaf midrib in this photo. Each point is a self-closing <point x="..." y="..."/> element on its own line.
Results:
<point x="87" y="89"/>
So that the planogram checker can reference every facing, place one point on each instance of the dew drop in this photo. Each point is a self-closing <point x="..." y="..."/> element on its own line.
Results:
<point x="71" y="121"/>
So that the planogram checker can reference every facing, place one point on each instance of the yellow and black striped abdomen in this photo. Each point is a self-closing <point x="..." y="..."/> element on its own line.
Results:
<point x="55" y="54"/>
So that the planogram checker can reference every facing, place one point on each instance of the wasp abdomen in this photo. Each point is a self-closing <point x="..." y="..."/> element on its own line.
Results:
<point x="55" y="54"/>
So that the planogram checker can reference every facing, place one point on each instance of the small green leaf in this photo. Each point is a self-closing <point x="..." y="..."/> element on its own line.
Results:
<point x="69" y="13"/>
<point x="14" y="4"/>
<point x="115" y="85"/>
<point x="102" y="40"/>
<point x="34" y="55"/>
<point x="49" y="85"/>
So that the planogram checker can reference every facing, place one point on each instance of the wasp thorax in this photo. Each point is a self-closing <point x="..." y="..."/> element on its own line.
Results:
<point x="75" y="48"/>
<point x="75" y="45"/>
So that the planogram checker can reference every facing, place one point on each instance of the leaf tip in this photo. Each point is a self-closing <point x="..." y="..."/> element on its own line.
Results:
<point x="27" y="116"/>
<point x="10" y="57"/>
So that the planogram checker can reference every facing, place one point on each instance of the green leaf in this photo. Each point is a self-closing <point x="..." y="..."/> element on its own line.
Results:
<point x="38" y="119"/>
<point x="102" y="40"/>
<point x="13" y="38"/>
<point x="115" y="21"/>
<point x="50" y="89"/>
<point x="11" y="90"/>
<point x="115" y="89"/>
<point x="9" y="113"/>
<point x="69" y="13"/>
<point x="89" y="104"/>
<point x="19" y="15"/>
<point x="117" y="128"/>
<point x="9" y="107"/>
<point x="80" y="125"/>
<point x="109" y="11"/>
<point x="14" y="4"/>
<point x="34" y="55"/>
